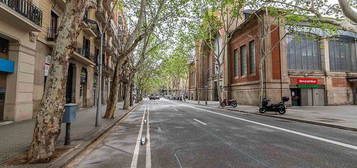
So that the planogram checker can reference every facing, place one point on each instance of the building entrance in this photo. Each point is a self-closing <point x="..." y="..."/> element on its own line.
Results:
<point x="308" y="97"/>
<point x="296" y="97"/>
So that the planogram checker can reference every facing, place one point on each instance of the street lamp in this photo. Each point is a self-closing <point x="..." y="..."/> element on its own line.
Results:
<point x="99" y="76"/>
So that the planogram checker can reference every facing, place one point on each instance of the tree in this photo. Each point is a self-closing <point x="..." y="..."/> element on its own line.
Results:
<point x="318" y="10"/>
<point x="48" y="119"/>
<point x="141" y="21"/>
<point x="217" y="20"/>
<point x="348" y="11"/>
<point x="293" y="13"/>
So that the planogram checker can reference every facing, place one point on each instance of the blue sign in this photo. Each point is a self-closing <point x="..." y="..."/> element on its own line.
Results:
<point x="6" y="65"/>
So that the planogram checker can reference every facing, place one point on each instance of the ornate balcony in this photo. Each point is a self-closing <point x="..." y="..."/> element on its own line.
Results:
<point x="26" y="9"/>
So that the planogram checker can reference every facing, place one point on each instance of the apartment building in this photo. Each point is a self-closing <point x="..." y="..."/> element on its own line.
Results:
<point x="28" y="34"/>
<point x="20" y="23"/>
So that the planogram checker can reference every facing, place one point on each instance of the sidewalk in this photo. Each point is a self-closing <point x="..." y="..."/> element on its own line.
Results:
<point x="16" y="137"/>
<point x="343" y="117"/>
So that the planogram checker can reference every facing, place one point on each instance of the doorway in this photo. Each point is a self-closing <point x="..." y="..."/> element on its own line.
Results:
<point x="215" y="91"/>
<point x="355" y="96"/>
<point x="83" y="89"/>
<point x="70" y="85"/>
<point x="296" y="97"/>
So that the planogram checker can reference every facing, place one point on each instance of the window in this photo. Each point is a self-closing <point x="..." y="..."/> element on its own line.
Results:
<point x="235" y="62"/>
<point x="252" y="57"/>
<point x="303" y="52"/>
<point x="86" y="47"/>
<point x="243" y="60"/>
<point x="217" y="53"/>
<point x="343" y="55"/>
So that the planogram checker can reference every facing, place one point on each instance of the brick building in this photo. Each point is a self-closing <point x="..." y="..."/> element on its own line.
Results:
<point x="311" y="67"/>
<point x="311" y="71"/>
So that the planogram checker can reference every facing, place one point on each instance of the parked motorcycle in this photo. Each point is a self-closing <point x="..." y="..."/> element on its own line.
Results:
<point x="227" y="102"/>
<point x="280" y="107"/>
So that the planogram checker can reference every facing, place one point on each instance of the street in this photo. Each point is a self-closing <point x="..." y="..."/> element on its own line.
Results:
<point x="172" y="134"/>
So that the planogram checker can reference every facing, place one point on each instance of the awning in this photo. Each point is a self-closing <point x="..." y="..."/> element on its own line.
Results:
<point x="7" y="66"/>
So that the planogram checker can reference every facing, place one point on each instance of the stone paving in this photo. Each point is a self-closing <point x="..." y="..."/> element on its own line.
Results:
<point x="344" y="116"/>
<point x="16" y="137"/>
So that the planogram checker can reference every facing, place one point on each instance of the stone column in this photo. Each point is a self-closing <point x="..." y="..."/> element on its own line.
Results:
<point x="19" y="90"/>
<point x="325" y="64"/>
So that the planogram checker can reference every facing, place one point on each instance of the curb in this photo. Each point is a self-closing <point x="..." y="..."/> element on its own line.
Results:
<point x="293" y="119"/>
<point x="299" y="120"/>
<point x="72" y="155"/>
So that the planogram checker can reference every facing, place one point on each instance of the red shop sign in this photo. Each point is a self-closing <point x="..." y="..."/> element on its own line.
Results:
<point x="307" y="81"/>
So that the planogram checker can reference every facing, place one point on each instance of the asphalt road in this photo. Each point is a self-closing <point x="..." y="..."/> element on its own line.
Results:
<point x="181" y="135"/>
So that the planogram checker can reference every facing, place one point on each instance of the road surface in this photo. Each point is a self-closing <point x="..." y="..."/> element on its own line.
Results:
<point x="172" y="134"/>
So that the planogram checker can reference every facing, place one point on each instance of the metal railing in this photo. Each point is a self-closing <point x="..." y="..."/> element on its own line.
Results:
<point x="52" y="34"/>
<point x="26" y="9"/>
<point x="85" y="52"/>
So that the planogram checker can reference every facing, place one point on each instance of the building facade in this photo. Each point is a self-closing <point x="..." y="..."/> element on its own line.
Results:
<point x="311" y="67"/>
<point x="27" y="37"/>
<point x="19" y="27"/>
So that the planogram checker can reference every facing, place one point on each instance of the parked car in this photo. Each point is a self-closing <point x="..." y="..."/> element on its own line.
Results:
<point x="154" y="97"/>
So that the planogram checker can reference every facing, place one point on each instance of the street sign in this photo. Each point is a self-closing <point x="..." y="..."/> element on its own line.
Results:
<point x="308" y="86"/>
<point x="307" y="81"/>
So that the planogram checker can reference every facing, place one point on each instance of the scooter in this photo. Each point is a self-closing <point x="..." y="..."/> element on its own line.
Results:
<point x="227" y="102"/>
<point x="280" y="107"/>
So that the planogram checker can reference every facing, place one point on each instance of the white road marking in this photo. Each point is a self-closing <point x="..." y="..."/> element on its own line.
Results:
<point x="148" y="147"/>
<point x="282" y="129"/>
<point x="134" y="160"/>
<point x="201" y="122"/>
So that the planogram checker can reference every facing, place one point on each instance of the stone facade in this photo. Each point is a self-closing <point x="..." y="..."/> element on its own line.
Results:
<point x="18" y="35"/>
<point x="29" y="44"/>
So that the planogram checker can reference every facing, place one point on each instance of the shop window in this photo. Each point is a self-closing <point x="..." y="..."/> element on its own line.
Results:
<point x="4" y="46"/>
<point x="343" y="55"/>
<point x="303" y="52"/>
<point x="252" y="64"/>
<point x="243" y="60"/>
<point x="235" y="62"/>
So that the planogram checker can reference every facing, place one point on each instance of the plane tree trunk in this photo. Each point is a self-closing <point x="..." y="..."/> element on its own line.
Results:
<point x="48" y="119"/>
<point x="114" y="93"/>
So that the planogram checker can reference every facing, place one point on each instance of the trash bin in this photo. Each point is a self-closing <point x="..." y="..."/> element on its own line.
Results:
<point x="70" y="113"/>
<point x="69" y="116"/>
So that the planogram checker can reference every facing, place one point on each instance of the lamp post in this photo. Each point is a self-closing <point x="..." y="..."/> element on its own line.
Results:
<point x="99" y="76"/>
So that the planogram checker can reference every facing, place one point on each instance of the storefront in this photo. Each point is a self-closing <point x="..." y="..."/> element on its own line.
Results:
<point x="6" y="67"/>
<point x="307" y="92"/>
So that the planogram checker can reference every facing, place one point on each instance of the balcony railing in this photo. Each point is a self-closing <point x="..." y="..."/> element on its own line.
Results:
<point x="85" y="53"/>
<point x="26" y="9"/>
<point x="52" y="34"/>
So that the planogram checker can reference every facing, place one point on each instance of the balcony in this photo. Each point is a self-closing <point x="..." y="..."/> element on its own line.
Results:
<point x="82" y="55"/>
<point x="24" y="8"/>
<point x="52" y="34"/>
